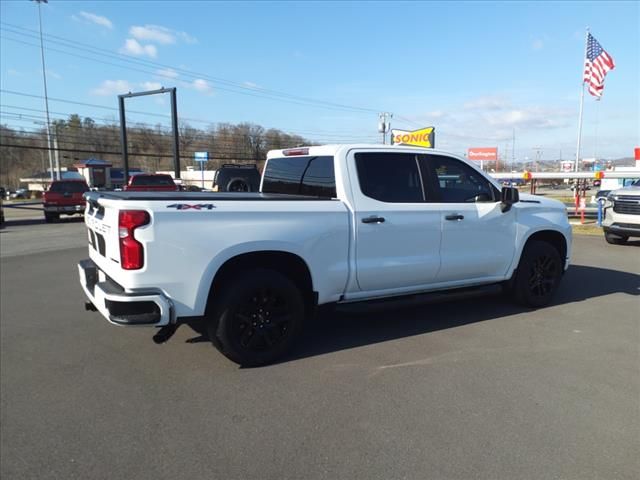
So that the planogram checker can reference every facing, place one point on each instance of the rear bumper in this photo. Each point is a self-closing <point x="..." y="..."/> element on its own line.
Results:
<point x="64" y="208"/>
<point x="119" y="307"/>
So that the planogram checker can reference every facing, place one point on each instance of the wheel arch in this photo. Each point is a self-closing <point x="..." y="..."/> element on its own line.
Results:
<point x="552" y="237"/>
<point x="288" y="264"/>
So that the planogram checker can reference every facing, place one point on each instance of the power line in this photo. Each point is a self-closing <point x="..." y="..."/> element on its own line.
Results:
<point x="73" y="102"/>
<point x="231" y="86"/>
<point x="103" y="152"/>
<point x="243" y="88"/>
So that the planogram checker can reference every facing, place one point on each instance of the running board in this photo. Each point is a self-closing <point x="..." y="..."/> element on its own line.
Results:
<point x="417" y="299"/>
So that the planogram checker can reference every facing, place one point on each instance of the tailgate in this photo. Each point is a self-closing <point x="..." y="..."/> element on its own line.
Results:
<point x="101" y="219"/>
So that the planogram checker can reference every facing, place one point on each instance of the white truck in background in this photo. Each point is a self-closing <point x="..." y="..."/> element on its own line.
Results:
<point x="621" y="214"/>
<point x="331" y="224"/>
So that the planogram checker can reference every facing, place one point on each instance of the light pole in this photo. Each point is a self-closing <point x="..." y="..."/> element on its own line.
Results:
<point x="46" y="97"/>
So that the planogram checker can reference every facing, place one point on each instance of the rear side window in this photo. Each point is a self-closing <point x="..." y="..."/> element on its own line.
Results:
<point x="390" y="177"/>
<point x="69" y="187"/>
<point x="311" y="176"/>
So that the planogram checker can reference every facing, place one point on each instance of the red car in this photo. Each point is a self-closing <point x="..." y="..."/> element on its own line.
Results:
<point x="149" y="182"/>
<point x="64" y="197"/>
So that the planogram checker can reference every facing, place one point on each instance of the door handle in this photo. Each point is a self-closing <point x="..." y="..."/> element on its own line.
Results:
<point x="455" y="216"/>
<point x="373" y="219"/>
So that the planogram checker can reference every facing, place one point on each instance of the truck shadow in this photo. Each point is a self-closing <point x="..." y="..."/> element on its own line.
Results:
<point x="341" y="330"/>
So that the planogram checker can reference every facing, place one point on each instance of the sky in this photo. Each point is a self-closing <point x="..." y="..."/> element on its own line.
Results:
<point x="477" y="71"/>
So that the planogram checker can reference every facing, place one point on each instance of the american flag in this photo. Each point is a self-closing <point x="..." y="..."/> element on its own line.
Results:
<point x="596" y="66"/>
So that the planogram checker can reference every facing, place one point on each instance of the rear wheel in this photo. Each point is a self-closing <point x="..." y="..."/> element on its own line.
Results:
<point x="51" y="217"/>
<point x="614" y="239"/>
<point x="538" y="274"/>
<point x="256" y="317"/>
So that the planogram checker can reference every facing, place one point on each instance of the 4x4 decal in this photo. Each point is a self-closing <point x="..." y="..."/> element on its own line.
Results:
<point x="188" y="206"/>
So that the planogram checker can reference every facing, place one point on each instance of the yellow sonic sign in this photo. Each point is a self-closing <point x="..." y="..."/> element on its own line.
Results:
<point x="424" y="137"/>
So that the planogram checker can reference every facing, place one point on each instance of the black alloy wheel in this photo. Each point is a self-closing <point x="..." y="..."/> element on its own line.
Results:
<point x="256" y="317"/>
<point x="262" y="320"/>
<point x="543" y="276"/>
<point x="538" y="274"/>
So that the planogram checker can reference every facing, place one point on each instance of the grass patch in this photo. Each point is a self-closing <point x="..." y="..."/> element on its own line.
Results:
<point x="587" y="229"/>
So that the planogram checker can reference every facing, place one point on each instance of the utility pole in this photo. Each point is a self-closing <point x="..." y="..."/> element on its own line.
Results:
<point x="384" y="125"/>
<point x="538" y="151"/>
<point x="46" y="97"/>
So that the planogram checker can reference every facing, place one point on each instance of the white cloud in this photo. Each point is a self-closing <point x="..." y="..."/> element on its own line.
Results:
<point x="151" y="85"/>
<point x="529" y="117"/>
<point x="53" y="74"/>
<point x="132" y="47"/>
<point x="251" y="85"/>
<point x="187" y="38"/>
<point x="112" y="87"/>
<point x="153" y="33"/>
<point x="96" y="19"/>
<point x="202" y="86"/>
<point x="159" y="34"/>
<point x="488" y="102"/>
<point x="167" y="73"/>
<point x="537" y="44"/>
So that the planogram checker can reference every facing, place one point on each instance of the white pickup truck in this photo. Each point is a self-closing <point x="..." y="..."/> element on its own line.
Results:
<point x="331" y="224"/>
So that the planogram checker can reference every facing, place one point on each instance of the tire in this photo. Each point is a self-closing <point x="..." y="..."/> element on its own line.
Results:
<point x="257" y="317"/>
<point x="538" y="275"/>
<point x="614" y="239"/>
<point x="51" y="217"/>
<point x="238" y="185"/>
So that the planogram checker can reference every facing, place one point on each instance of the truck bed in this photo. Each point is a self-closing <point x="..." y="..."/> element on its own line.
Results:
<point x="200" y="196"/>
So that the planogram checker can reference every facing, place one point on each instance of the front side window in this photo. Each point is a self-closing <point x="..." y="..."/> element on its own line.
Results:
<point x="456" y="182"/>
<point x="390" y="177"/>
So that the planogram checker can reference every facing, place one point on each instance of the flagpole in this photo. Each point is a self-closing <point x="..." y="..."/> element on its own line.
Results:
<point x="575" y="169"/>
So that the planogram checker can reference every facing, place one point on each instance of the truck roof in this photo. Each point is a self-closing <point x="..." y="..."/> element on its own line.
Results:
<point x="334" y="149"/>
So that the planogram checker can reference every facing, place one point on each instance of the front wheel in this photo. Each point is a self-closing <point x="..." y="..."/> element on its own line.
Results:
<point x="538" y="274"/>
<point x="614" y="239"/>
<point x="256" y="317"/>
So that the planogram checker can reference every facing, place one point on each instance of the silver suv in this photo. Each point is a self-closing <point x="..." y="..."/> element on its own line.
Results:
<point x="622" y="214"/>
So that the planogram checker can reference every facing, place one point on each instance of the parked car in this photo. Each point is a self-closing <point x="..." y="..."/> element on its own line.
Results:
<point x="190" y="188"/>
<point x="20" y="193"/>
<point x="332" y="224"/>
<point x="1" y="212"/>
<point x="151" y="182"/>
<point x="64" y="197"/>
<point x="236" y="177"/>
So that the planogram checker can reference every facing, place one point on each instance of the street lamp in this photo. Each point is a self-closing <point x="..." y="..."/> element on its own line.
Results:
<point x="46" y="97"/>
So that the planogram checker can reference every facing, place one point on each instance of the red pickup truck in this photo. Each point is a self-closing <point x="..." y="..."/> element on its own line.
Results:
<point x="64" y="197"/>
<point x="150" y="182"/>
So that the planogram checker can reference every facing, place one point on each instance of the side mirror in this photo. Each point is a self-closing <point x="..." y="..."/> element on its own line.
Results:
<point x="508" y="197"/>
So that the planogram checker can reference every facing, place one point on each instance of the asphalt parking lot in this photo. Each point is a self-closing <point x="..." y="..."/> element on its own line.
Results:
<point x="472" y="389"/>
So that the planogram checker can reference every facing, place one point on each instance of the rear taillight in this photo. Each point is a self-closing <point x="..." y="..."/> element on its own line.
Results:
<point x="131" y="251"/>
